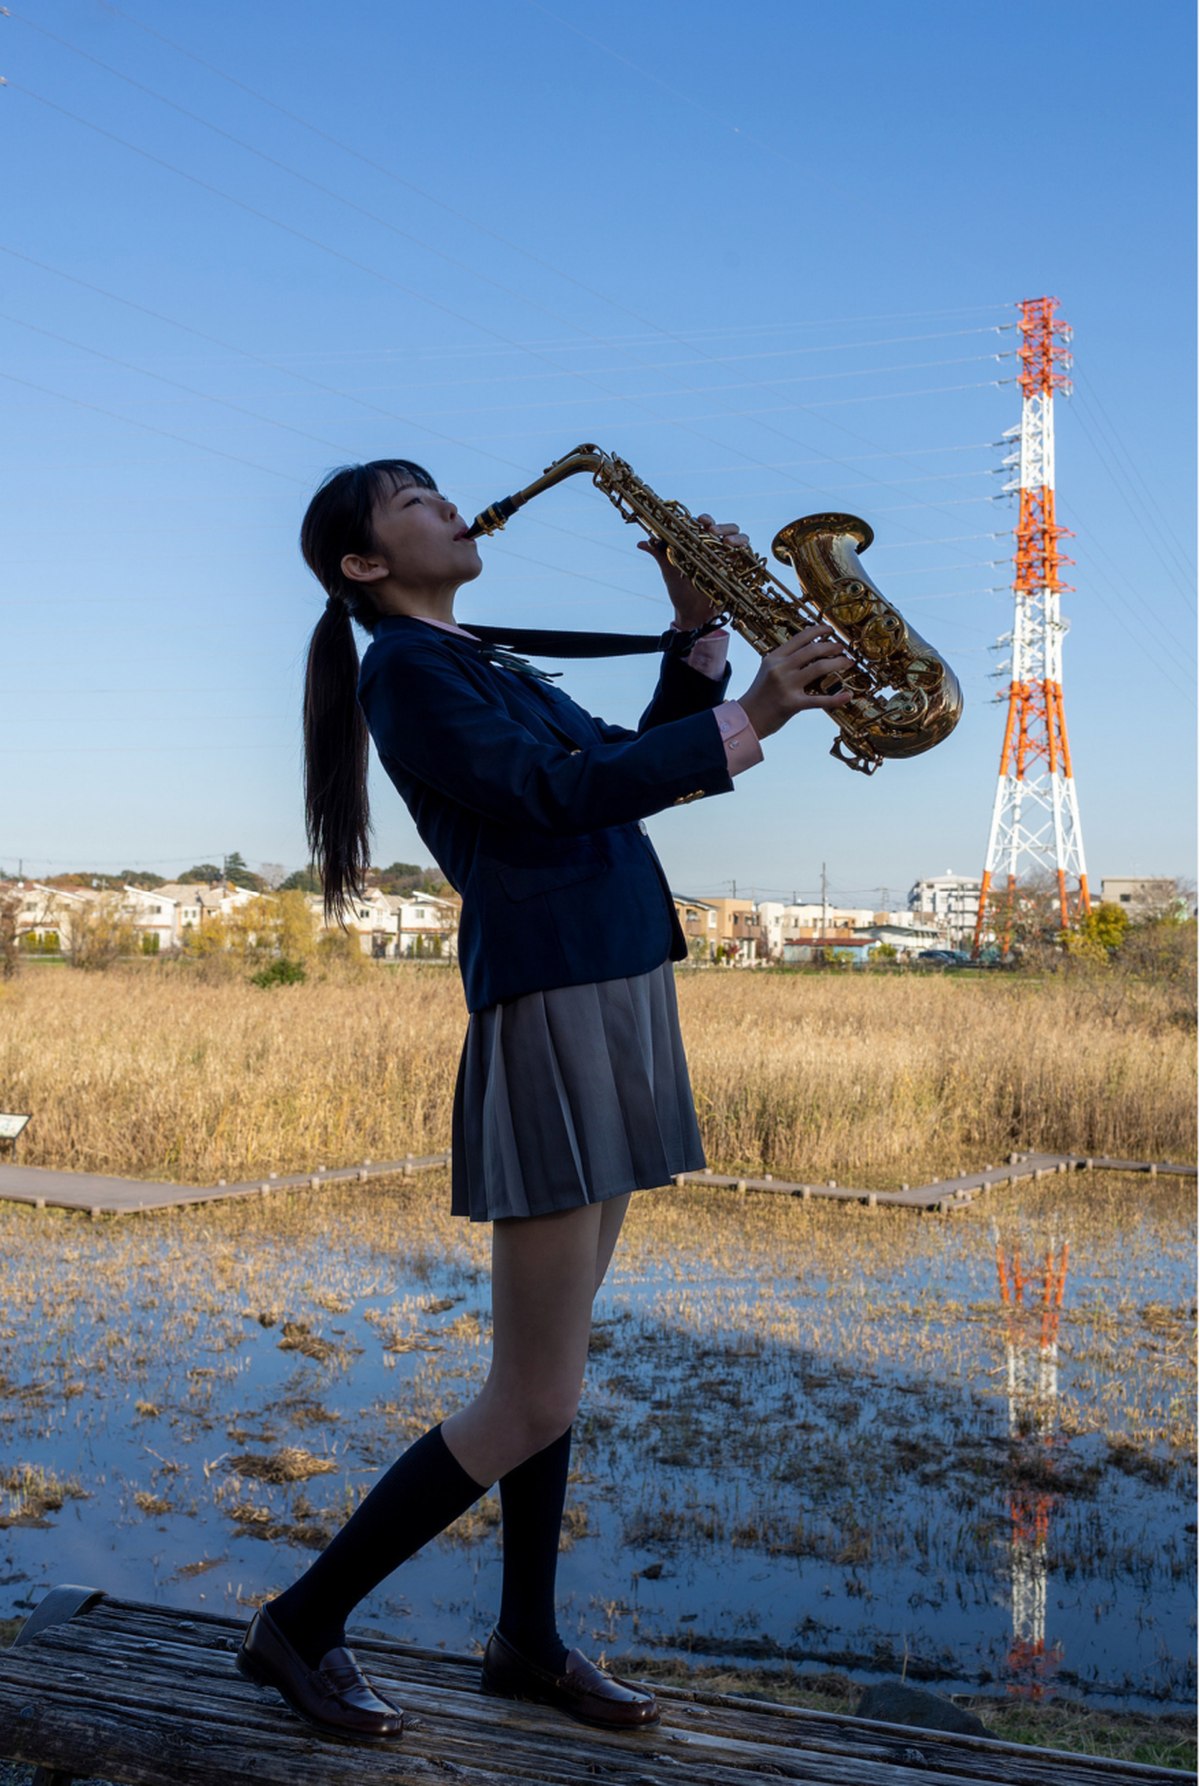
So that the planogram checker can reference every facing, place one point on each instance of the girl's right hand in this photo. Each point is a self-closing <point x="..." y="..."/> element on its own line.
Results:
<point x="787" y="676"/>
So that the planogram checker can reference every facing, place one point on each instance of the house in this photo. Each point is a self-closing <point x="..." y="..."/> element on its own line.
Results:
<point x="698" y="921"/>
<point x="781" y="924"/>
<point x="426" y="925"/>
<point x="906" y="939"/>
<point x="370" y="918"/>
<point x="44" y="914"/>
<point x="194" y="903"/>
<point x="854" y="949"/>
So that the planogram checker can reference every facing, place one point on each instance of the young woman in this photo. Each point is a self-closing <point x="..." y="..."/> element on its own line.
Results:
<point x="572" y="1089"/>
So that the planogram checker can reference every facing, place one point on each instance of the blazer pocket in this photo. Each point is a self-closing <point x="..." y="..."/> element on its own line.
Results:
<point x="528" y="880"/>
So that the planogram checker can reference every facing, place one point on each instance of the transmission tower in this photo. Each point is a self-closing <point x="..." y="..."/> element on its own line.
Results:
<point x="1035" y="819"/>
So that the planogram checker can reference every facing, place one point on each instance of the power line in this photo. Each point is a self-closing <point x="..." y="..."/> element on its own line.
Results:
<point x="385" y="223"/>
<point x="149" y="428"/>
<point x="312" y="241"/>
<point x="493" y="234"/>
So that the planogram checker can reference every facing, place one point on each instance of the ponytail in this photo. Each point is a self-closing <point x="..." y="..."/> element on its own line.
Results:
<point x="336" y="809"/>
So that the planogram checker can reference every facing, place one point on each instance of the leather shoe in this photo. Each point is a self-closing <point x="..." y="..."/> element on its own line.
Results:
<point x="581" y="1690"/>
<point x="335" y="1695"/>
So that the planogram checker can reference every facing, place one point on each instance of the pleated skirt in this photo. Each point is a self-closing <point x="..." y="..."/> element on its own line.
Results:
<point x="572" y="1096"/>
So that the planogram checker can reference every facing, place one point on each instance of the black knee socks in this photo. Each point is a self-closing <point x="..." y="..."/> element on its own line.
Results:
<point x="531" y="1501"/>
<point x="422" y="1493"/>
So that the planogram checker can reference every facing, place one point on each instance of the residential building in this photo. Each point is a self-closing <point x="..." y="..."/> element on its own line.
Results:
<point x="854" y="949"/>
<point x="906" y="939"/>
<point x="1139" y="897"/>
<point x="781" y="924"/>
<point x="953" y="902"/>
<point x="698" y="921"/>
<point x="426" y="924"/>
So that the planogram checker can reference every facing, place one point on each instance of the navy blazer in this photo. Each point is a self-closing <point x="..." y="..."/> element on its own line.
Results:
<point x="531" y="807"/>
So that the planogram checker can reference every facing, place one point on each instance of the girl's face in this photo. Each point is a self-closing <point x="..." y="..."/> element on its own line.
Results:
<point x="421" y="549"/>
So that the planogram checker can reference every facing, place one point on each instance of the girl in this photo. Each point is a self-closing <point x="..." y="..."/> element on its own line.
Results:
<point x="572" y="1089"/>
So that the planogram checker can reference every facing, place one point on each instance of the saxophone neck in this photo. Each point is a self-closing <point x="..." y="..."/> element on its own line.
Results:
<point x="492" y="519"/>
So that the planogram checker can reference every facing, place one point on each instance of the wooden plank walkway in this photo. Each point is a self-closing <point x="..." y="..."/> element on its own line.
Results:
<point x="149" y="1696"/>
<point x="97" y="1195"/>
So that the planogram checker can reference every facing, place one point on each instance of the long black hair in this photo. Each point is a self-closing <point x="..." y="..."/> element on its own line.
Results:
<point x="337" y="521"/>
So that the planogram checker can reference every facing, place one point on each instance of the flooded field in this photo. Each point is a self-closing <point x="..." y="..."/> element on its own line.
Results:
<point x="813" y="1437"/>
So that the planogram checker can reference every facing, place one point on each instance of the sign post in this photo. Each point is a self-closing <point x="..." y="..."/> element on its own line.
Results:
<point x="11" y="1126"/>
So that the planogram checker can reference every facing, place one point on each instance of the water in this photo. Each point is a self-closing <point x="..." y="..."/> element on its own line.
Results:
<point x="814" y="1436"/>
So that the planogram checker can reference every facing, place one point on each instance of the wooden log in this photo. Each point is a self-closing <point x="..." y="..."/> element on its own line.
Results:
<point x="153" y="1698"/>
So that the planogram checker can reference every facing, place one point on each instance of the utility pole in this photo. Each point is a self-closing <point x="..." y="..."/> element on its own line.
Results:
<point x="1035" y="817"/>
<point x="824" y="903"/>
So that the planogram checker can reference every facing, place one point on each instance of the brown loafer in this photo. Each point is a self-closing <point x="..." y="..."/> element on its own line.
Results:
<point x="582" y="1690"/>
<point x="336" y="1695"/>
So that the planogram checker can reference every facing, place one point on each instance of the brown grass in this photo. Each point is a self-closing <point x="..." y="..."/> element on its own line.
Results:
<point x="158" y="1072"/>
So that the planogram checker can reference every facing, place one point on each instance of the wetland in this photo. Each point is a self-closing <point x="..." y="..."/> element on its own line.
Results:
<point x="819" y="1444"/>
<point x="813" y="1437"/>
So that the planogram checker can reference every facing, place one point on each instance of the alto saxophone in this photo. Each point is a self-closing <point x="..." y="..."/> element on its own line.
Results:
<point x="925" y="700"/>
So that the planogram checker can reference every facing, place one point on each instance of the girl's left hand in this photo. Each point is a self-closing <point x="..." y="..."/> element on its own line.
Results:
<point x="691" y="608"/>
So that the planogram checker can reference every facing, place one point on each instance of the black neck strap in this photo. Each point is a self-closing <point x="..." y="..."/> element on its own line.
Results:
<point x="556" y="644"/>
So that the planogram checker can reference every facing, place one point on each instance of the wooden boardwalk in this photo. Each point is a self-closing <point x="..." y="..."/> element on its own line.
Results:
<point x="97" y="1195"/>
<point x="149" y="1695"/>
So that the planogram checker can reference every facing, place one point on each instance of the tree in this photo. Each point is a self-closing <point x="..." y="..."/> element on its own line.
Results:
<point x="1105" y="926"/>
<point x="398" y="877"/>
<point x="11" y="897"/>
<point x="272" y="875"/>
<point x="303" y="880"/>
<point x="101" y="932"/>
<point x="240" y="874"/>
<point x="203" y="871"/>
<point x="1025" y="919"/>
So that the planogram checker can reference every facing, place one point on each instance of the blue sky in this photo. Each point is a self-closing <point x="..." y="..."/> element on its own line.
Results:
<point x="768" y="254"/>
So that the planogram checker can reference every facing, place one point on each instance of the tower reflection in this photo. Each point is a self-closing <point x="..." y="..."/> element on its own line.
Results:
<point x="1032" y="1298"/>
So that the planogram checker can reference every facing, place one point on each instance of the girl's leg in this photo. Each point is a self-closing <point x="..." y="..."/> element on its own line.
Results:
<point x="543" y="1281"/>
<point x="531" y="1502"/>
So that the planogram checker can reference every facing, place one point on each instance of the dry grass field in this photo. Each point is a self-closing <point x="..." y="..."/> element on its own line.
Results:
<point x="163" y="1070"/>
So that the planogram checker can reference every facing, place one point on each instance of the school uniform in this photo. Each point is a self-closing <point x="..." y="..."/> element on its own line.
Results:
<point x="572" y="1085"/>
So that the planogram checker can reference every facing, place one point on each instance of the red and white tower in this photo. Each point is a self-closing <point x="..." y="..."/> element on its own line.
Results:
<point x="1035" y="820"/>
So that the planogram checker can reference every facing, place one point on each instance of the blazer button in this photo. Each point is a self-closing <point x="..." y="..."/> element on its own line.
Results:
<point x="686" y="799"/>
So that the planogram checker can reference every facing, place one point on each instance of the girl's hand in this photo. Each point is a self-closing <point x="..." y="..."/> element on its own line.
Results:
<point x="691" y="608"/>
<point x="785" y="681"/>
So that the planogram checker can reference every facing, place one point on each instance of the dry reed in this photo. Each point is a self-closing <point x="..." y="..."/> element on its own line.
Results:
<point x="161" y="1073"/>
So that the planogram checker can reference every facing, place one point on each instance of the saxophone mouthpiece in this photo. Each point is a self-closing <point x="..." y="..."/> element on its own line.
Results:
<point x="493" y="518"/>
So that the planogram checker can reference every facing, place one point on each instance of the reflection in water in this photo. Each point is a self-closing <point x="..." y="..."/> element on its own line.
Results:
<point x="1031" y="1350"/>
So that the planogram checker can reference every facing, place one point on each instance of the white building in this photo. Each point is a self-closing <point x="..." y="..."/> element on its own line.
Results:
<point x="389" y="925"/>
<point x="426" y="924"/>
<point x="44" y="914"/>
<point x="1142" y="897"/>
<point x="183" y="905"/>
<point x="953" y="902"/>
<point x="799" y="923"/>
<point x="906" y="939"/>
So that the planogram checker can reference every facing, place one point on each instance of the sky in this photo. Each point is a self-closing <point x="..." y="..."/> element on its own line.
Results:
<point x="770" y="255"/>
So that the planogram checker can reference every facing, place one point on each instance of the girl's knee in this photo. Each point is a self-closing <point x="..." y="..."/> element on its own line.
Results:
<point x="533" y="1421"/>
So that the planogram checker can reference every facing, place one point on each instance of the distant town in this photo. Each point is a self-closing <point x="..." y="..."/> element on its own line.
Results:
<point x="409" y="911"/>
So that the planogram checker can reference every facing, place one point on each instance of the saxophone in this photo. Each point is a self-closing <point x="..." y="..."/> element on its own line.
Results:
<point x="925" y="701"/>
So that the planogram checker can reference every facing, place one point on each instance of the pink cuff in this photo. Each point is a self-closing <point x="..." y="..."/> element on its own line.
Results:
<point x="707" y="654"/>
<point x="742" y="749"/>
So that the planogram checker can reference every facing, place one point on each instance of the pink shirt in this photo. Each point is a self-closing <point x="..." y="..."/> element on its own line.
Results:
<point x="708" y="655"/>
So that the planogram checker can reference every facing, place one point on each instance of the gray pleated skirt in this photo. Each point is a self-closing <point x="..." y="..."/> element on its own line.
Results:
<point x="571" y="1096"/>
